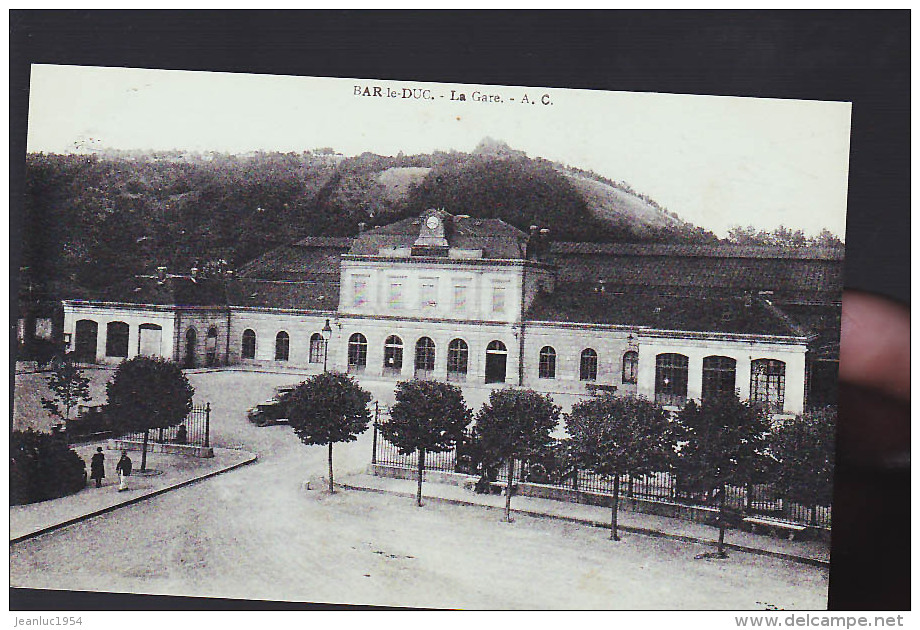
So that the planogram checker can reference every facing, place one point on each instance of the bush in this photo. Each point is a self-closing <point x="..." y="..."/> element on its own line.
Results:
<point x="43" y="467"/>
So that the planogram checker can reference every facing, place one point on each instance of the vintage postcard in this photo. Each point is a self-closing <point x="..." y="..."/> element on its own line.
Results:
<point x="374" y="342"/>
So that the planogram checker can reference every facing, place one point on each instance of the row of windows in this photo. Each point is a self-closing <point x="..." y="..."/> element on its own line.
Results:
<point x="768" y="380"/>
<point x="671" y="370"/>
<point x="116" y="338"/>
<point x="587" y="369"/>
<point x="457" y="356"/>
<point x="428" y="294"/>
<point x="283" y="346"/>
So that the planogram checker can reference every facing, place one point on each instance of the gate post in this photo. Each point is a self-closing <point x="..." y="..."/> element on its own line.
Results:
<point x="374" y="447"/>
<point x="207" y="424"/>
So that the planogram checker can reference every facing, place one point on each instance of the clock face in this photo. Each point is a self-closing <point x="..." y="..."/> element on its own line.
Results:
<point x="432" y="222"/>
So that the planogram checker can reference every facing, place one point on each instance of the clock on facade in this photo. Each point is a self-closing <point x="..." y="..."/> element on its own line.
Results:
<point x="432" y="223"/>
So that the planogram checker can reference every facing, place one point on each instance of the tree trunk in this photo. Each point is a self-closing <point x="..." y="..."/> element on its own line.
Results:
<point x="421" y="474"/>
<point x="614" y="508"/>
<point x="508" y="490"/>
<point x="144" y="450"/>
<point x="331" y="485"/>
<point x="721" y="548"/>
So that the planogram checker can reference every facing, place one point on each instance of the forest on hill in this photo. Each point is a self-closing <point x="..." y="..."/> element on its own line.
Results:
<point x="92" y="220"/>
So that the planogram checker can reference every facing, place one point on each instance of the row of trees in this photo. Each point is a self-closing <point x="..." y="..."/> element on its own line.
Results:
<point x="710" y="446"/>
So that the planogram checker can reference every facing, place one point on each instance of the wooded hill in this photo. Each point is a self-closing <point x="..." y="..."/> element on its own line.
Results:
<point x="92" y="220"/>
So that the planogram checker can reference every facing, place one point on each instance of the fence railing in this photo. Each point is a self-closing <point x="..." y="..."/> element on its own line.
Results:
<point x="195" y="430"/>
<point x="660" y="486"/>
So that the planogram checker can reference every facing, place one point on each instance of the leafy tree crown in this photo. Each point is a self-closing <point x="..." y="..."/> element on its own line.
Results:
<point x="516" y="423"/>
<point x="723" y="440"/>
<point x="329" y="407"/>
<point x="803" y="453"/>
<point x="148" y="393"/>
<point x="69" y="387"/>
<point x="428" y="415"/>
<point x="616" y="435"/>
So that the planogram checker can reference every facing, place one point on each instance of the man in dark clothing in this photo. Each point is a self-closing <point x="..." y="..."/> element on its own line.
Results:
<point x="123" y="468"/>
<point x="97" y="467"/>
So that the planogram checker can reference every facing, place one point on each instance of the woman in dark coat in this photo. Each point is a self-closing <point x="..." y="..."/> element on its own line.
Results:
<point x="97" y="467"/>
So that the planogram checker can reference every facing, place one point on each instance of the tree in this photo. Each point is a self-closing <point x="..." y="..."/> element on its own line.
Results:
<point x="723" y="443"/>
<point x="42" y="467"/>
<point x="803" y="450"/>
<point x="148" y="393"/>
<point x="429" y="416"/>
<point x="69" y="387"/>
<point x="616" y="436"/>
<point x="515" y="424"/>
<point x="328" y="408"/>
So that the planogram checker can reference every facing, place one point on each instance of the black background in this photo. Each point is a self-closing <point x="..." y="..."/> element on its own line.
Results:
<point x="858" y="56"/>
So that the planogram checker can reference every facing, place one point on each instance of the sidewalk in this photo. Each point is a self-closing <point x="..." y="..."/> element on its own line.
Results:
<point x="814" y="552"/>
<point x="172" y="471"/>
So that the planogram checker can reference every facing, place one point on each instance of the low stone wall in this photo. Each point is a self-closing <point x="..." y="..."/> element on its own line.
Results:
<point x="659" y="508"/>
<point x="158" y="447"/>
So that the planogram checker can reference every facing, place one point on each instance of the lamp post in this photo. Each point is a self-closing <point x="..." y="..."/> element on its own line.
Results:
<point x="327" y="333"/>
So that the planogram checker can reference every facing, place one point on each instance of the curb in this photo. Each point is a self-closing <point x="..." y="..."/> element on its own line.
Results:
<point x="132" y="501"/>
<point x="654" y="533"/>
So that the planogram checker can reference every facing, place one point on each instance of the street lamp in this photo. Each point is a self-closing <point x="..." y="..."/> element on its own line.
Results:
<point x="327" y="333"/>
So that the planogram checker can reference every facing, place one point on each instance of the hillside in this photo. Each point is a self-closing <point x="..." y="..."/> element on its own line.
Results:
<point x="91" y="220"/>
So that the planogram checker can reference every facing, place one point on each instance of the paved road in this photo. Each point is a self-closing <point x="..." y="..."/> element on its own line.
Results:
<point x="256" y="533"/>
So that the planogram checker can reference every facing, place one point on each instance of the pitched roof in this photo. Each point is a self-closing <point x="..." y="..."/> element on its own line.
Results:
<point x="298" y="295"/>
<point x="701" y="250"/>
<point x="312" y="258"/>
<point x="581" y="303"/>
<point x="178" y="290"/>
<point x="496" y="239"/>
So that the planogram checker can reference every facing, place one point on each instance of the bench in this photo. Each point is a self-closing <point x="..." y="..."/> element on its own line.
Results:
<point x="773" y="525"/>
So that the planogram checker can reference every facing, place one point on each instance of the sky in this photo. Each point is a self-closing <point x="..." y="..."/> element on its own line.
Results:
<point x="716" y="161"/>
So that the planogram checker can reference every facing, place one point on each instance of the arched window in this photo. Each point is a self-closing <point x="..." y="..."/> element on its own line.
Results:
<point x="718" y="376"/>
<point x="357" y="353"/>
<point x="392" y="355"/>
<point x="149" y="337"/>
<point x="671" y="379"/>
<point x="248" y="349"/>
<point x="630" y="366"/>
<point x="547" y="362"/>
<point x="768" y="383"/>
<point x="317" y="348"/>
<point x="587" y="370"/>
<point x="424" y="358"/>
<point x="210" y="346"/>
<point x="496" y="359"/>
<point x="116" y="339"/>
<point x="282" y="346"/>
<point x="191" y="348"/>
<point x="457" y="358"/>
<point x="85" y="333"/>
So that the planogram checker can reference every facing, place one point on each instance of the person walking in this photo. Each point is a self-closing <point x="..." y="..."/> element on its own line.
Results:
<point x="97" y="467"/>
<point x="123" y="468"/>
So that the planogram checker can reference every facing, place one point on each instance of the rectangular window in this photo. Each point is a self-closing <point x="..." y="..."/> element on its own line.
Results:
<point x="428" y="293"/>
<point x="498" y="299"/>
<point x="359" y="290"/>
<point x="460" y="298"/>
<point x="395" y="295"/>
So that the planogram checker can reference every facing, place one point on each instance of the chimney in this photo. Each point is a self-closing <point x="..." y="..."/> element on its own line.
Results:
<point x="161" y="274"/>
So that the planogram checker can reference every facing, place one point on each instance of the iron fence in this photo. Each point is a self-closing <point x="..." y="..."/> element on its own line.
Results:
<point x="195" y="430"/>
<point x="558" y="468"/>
